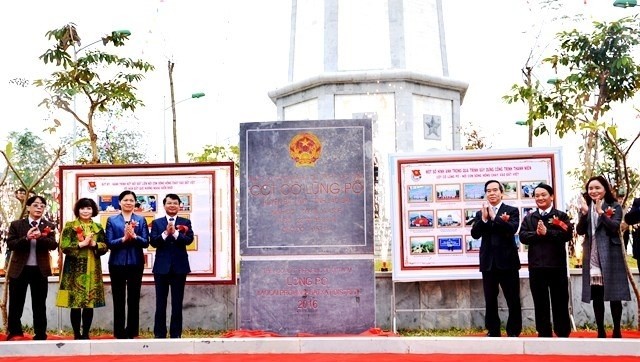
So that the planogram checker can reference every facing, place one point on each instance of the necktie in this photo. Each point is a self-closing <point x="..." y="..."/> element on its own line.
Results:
<point x="171" y="220"/>
<point x="544" y="213"/>
<point x="34" y="223"/>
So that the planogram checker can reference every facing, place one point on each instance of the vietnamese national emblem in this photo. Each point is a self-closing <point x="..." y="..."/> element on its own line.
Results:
<point x="305" y="149"/>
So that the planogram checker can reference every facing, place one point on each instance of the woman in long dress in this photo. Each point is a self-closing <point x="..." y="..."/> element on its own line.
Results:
<point x="81" y="286"/>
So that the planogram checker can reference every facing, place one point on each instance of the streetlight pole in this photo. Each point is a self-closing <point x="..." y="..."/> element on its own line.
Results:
<point x="164" y="124"/>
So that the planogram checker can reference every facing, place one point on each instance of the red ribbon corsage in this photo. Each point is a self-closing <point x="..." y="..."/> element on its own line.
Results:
<point x="182" y="228"/>
<point x="558" y="222"/>
<point x="609" y="211"/>
<point x="46" y="231"/>
<point x="79" y="233"/>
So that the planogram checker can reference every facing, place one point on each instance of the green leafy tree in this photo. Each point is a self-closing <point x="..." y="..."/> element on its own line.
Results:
<point x="599" y="70"/>
<point x="595" y="70"/>
<point x="28" y="165"/>
<point x="86" y="75"/>
<point x="218" y="153"/>
<point x="118" y="143"/>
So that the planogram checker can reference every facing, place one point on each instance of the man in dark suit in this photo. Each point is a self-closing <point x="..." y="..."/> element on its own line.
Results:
<point x="30" y="240"/>
<point x="496" y="223"/>
<point x="632" y="218"/>
<point x="170" y="235"/>
<point x="547" y="231"/>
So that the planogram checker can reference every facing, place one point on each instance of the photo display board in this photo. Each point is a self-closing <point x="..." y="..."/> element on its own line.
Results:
<point x="435" y="197"/>
<point x="207" y="194"/>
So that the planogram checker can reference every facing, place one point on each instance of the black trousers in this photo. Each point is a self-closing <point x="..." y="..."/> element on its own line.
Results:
<point x="30" y="276"/>
<point x="509" y="281"/>
<point x="126" y="281"/>
<point x="550" y="284"/>
<point x="164" y="282"/>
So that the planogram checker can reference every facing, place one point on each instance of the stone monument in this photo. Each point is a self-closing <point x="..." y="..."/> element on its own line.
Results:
<point x="306" y="227"/>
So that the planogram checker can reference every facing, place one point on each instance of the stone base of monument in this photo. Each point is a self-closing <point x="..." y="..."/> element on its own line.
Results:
<point x="308" y="345"/>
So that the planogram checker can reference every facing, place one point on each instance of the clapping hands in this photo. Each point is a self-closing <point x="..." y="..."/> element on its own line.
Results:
<point x="171" y="228"/>
<point x="33" y="233"/>
<point x="87" y="241"/>
<point x="129" y="232"/>
<point x="486" y="212"/>
<point x="541" y="229"/>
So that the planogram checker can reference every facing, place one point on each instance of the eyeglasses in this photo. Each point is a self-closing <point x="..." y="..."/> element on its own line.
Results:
<point x="38" y="205"/>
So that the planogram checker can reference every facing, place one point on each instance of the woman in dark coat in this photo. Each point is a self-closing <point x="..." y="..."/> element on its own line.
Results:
<point x="604" y="275"/>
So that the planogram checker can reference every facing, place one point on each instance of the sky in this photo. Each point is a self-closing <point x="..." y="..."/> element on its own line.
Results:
<point x="237" y="51"/>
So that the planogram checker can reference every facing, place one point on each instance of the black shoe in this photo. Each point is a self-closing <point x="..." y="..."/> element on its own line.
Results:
<point x="513" y="335"/>
<point x="616" y="334"/>
<point x="42" y="337"/>
<point x="493" y="334"/>
<point x="11" y="336"/>
<point x="602" y="334"/>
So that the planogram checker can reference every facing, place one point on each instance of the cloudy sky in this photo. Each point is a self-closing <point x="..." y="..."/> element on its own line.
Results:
<point x="236" y="51"/>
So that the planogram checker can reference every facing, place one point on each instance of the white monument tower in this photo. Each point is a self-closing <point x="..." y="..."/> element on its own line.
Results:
<point x="381" y="59"/>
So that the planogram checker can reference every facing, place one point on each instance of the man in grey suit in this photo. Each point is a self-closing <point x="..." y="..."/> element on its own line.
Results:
<point x="496" y="223"/>
<point x="170" y="235"/>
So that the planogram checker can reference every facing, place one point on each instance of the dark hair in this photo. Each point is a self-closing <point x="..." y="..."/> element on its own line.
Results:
<point x="32" y="199"/>
<point x="543" y="185"/>
<point x="125" y="193"/>
<point x="85" y="202"/>
<point x="172" y="197"/>
<point x="608" y="195"/>
<point x="492" y="181"/>
<point x="20" y="190"/>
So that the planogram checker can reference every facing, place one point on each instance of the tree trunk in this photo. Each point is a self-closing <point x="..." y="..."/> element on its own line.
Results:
<point x="173" y="111"/>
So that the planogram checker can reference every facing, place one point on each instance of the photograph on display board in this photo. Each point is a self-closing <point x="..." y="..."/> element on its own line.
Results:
<point x="146" y="203"/>
<point x="108" y="203"/>
<point x="185" y="202"/>
<point x="473" y="191"/>
<point x="472" y="244"/>
<point x="448" y="192"/>
<point x="423" y="245"/>
<point x="469" y="215"/>
<point x="449" y="244"/>
<point x="449" y="218"/>
<point x="527" y="187"/>
<point x="420" y="218"/>
<point x="420" y="193"/>
<point x="526" y="211"/>
<point x="510" y="190"/>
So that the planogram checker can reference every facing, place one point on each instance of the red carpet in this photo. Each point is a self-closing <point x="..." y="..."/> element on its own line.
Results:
<point x="326" y="358"/>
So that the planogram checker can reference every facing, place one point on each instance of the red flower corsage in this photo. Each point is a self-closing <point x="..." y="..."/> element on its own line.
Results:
<point x="504" y="217"/>
<point x="182" y="228"/>
<point x="46" y="231"/>
<point x="609" y="211"/>
<point x="134" y="224"/>
<point x="79" y="233"/>
<point x="558" y="222"/>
